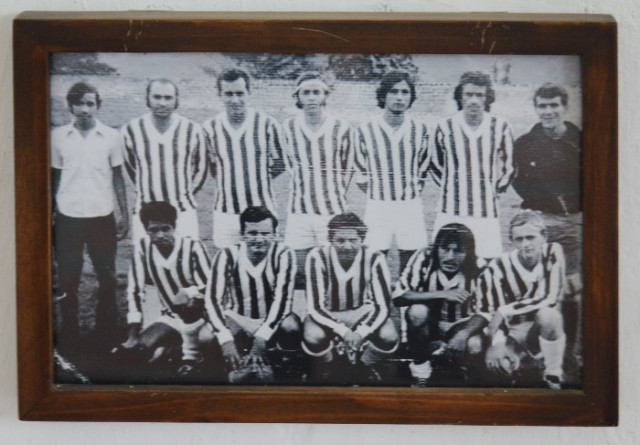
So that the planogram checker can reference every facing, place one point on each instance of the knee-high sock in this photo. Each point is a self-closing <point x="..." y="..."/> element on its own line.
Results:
<point x="553" y="354"/>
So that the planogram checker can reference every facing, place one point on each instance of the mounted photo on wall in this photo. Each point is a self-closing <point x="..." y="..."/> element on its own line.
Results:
<point x="327" y="217"/>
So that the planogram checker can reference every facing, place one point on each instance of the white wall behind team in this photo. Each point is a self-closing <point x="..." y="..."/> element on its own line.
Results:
<point x="627" y="12"/>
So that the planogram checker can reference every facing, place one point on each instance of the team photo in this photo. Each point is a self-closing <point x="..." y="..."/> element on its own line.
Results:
<point x="317" y="219"/>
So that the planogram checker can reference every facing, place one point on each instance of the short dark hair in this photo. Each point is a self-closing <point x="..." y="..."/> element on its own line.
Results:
<point x="463" y="237"/>
<point x="389" y="80"/>
<point x="479" y="79"/>
<point x="549" y="91"/>
<point x="347" y="221"/>
<point x="307" y="75"/>
<point x="254" y="215"/>
<point x="160" y="211"/>
<point x="231" y="75"/>
<point x="77" y="92"/>
<point x="166" y="82"/>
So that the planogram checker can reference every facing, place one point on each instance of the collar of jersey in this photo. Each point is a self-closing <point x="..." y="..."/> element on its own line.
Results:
<point x="528" y="275"/>
<point x="160" y="259"/>
<point x="338" y="267"/>
<point x="314" y="134"/>
<point x="248" y="119"/>
<point x="245" y="263"/>
<point x="168" y="134"/>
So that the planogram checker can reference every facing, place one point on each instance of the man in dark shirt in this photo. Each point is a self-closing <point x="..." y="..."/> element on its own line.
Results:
<point x="548" y="170"/>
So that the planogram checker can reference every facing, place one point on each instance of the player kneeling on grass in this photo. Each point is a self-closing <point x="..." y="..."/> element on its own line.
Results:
<point x="348" y="290"/>
<point x="177" y="267"/>
<point x="517" y="301"/>
<point x="251" y="288"/>
<point x="435" y="287"/>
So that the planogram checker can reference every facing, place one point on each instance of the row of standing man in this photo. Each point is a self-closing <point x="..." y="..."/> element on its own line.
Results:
<point x="243" y="296"/>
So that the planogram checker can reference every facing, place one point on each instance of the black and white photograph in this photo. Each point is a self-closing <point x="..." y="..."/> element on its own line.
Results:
<point x="400" y="220"/>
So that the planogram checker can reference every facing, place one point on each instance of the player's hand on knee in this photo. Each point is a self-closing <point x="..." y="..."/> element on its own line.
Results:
<point x="458" y="343"/>
<point x="230" y="355"/>
<point x="501" y="360"/>
<point x="353" y="341"/>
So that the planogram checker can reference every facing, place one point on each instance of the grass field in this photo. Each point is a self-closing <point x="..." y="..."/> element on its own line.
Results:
<point x="123" y="99"/>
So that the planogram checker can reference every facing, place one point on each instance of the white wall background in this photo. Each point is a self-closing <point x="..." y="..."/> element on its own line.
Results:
<point x="626" y="12"/>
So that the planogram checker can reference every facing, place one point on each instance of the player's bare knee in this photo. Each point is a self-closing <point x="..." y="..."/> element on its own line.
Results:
<point x="550" y="323"/>
<point x="417" y="315"/>
<point x="474" y="345"/>
<point x="312" y="334"/>
<point x="387" y="335"/>
<point x="291" y="325"/>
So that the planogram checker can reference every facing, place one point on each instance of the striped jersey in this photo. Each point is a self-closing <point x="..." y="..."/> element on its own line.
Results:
<point x="185" y="268"/>
<point x="507" y="286"/>
<point x="169" y="167"/>
<point x="419" y="275"/>
<point x="320" y="165"/>
<point x="244" y="160"/>
<point x="472" y="166"/>
<point x="394" y="160"/>
<point x="262" y="291"/>
<point x="330" y="288"/>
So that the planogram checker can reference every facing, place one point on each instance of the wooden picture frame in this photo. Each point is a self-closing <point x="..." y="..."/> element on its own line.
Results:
<point x="592" y="37"/>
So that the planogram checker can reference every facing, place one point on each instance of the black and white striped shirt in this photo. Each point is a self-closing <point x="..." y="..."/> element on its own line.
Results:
<point x="262" y="291"/>
<point x="320" y="164"/>
<point x="169" y="167"/>
<point x="244" y="160"/>
<point x="472" y="166"/>
<point x="419" y="275"/>
<point x="330" y="288"/>
<point x="517" y="293"/>
<point x="394" y="160"/>
<point x="185" y="268"/>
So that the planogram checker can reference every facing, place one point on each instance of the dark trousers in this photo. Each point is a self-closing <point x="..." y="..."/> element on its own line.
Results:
<point x="71" y="235"/>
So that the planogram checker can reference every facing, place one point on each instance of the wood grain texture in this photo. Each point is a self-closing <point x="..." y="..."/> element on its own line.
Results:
<point x="36" y="35"/>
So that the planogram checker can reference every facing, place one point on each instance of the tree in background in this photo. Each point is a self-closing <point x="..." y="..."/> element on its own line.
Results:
<point x="367" y="67"/>
<point x="80" y="63"/>
<point x="278" y="66"/>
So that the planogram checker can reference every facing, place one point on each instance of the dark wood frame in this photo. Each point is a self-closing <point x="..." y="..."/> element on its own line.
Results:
<point x="593" y="37"/>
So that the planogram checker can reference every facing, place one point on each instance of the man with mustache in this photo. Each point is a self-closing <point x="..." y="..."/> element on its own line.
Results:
<point x="177" y="266"/>
<point x="165" y="157"/>
<point x="85" y="172"/>
<point x="472" y="161"/>
<point x="435" y="288"/>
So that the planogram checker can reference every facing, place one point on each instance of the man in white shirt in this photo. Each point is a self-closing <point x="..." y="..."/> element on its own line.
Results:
<point x="85" y="171"/>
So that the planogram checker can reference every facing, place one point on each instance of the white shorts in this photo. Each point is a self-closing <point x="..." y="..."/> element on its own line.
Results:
<point x="186" y="225"/>
<point x="226" y="229"/>
<point x="486" y="232"/>
<point x="404" y="219"/>
<point x="305" y="231"/>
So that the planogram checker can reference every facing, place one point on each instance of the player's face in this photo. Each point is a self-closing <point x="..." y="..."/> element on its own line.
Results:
<point x="259" y="236"/>
<point x="398" y="98"/>
<point x="86" y="108"/>
<point x="473" y="99"/>
<point x="347" y="243"/>
<point x="234" y="96"/>
<point x="451" y="257"/>
<point x="312" y="99"/>
<point x="529" y="241"/>
<point x="162" y="99"/>
<point x="550" y="112"/>
<point x="162" y="234"/>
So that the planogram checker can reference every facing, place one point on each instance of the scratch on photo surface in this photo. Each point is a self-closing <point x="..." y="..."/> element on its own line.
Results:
<point x="323" y="32"/>
<point x="129" y="31"/>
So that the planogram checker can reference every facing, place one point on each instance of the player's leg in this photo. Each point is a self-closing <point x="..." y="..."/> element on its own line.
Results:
<point x="410" y="230"/>
<point x="377" y="348"/>
<point x="287" y="358"/>
<point x="420" y="331"/>
<point x="379" y="221"/>
<point x="187" y="224"/>
<point x="69" y="239"/>
<point x="552" y="340"/>
<point x="318" y="345"/>
<point x="101" y="246"/>
<point x="299" y="236"/>
<point x="226" y="229"/>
